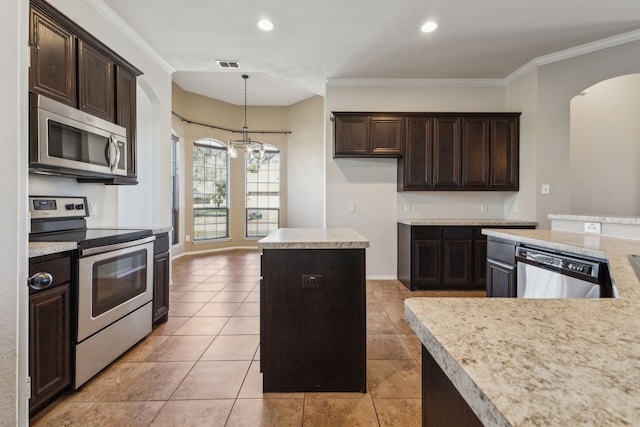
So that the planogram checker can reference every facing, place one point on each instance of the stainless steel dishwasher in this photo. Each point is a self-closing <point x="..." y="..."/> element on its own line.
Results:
<point x="545" y="274"/>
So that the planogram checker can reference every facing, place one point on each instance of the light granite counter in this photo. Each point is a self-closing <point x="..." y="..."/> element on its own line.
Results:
<point x="468" y="222"/>
<point x="46" y="248"/>
<point x="314" y="238"/>
<point x="632" y="220"/>
<point x="522" y="362"/>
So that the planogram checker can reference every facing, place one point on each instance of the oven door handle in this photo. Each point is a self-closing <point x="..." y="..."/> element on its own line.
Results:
<point x="115" y="247"/>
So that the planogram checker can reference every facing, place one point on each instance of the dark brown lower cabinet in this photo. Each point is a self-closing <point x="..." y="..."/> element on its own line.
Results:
<point x="49" y="345"/>
<point x="312" y="312"/>
<point x="444" y="257"/>
<point x="161" y="279"/>
<point x="50" y="331"/>
<point x="442" y="404"/>
<point x="501" y="269"/>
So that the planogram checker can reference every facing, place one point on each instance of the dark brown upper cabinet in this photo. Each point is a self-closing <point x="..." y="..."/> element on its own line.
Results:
<point x="460" y="152"/>
<point x="414" y="170"/>
<point x="505" y="154"/>
<point x="53" y="59"/>
<point x="368" y="135"/>
<point x="96" y="81"/>
<point x="126" y="114"/>
<point x="69" y="65"/>
<point x="446" y="152"/>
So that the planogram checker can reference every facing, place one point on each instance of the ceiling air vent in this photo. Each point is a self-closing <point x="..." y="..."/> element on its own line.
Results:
<point x="226" y="64"/>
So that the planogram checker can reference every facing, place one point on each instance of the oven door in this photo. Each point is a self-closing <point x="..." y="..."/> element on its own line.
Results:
<point x="113" y="281"/>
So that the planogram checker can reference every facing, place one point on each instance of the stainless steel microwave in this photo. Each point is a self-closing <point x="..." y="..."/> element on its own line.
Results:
<point x="66" y="141"/>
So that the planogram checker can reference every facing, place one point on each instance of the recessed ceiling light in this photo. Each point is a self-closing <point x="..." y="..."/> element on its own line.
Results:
<point x="265" y="25"/>
<point x="429" y="27"/>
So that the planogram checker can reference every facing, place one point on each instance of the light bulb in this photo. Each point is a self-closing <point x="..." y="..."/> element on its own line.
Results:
<point x="429" y="27"/>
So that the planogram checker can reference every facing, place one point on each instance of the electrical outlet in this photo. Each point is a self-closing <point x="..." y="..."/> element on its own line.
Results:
<point x="407" y="208"/>
<point x="352" y="207"/>
<point x="483" y="208"/>
<point x="187" y="238"/>
<point x="515" y="208"/>
<point x="93" y="209"/>
<point x="592" y="227"/>
<point x="545" y="189"/>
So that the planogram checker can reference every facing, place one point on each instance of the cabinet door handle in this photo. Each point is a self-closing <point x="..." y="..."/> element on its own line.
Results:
<point x="40" y="281"/>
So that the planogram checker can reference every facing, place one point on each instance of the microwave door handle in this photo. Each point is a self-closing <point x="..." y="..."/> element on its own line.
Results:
<point x="114" y="153"/>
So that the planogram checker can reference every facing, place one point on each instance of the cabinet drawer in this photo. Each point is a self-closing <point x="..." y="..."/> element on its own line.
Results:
<point x="426" y="233"/>
<point x="161" y="244"/>
<point x="451" y="233"/>
<point x="59" y="268"/>
<point x="500" y="251"/>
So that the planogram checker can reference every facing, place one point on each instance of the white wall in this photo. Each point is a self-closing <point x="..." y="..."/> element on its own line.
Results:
<point x="548" y="117"/>
<point x="370" y="184"/>
<point x="305" y="160"/>
<point x="605" y="148"/>
<point x="13" y="213"/>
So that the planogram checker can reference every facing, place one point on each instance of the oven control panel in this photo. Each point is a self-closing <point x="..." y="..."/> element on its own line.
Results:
<point x="57" y="207"/>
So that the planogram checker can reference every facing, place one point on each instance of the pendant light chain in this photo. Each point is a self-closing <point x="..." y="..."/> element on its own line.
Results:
<point x="250" y="147"/>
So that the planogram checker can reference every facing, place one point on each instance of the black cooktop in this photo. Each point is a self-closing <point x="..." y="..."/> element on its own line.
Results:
<point x="92" y="237"/>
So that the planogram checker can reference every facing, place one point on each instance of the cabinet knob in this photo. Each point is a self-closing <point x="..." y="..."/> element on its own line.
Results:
<point x="40" y="281"/>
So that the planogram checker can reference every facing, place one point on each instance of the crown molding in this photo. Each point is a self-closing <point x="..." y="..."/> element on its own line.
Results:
<point x="115" y="19"/>
<point x="562" y="55"/>
<point x="415" y="82"/>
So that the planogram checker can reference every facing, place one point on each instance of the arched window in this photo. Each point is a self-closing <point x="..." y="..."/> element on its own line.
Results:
<point x="210" y="190"/>
<point x="262" y="191"/>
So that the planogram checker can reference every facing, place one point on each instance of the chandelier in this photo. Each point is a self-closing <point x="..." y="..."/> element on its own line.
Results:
<point x="250" y="147"/>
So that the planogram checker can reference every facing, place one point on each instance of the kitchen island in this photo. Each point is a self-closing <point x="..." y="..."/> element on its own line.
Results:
<point x="312" y="310"/>
<point x="541" y="362"/>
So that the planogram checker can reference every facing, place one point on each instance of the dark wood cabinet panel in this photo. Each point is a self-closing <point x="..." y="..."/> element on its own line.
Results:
<point x="442" y="403"/>
<point x="53" y="59"/>
<point x="367" y="135"/>
<point x="49" y="345"/>
<point x="457" y="262"/>
<point x="475" y="152"/>
<point x="427" y="261"/>
<point x="501" y="269"/>
<point x="313" y="332"/>
<point x="96" y="82"/>
<point x="350" y="135"/>
<point x="161" y="279"/>
<point x="501" y="279"/>
<point x="446" y="152"/>
<point x="480" y="262"/>
<point x="50" y="331"/>
<point x="505" y="157"/>
<point x="126" y="114"/>
<point x="414" y="168"/>
<point x="387" y="135"/>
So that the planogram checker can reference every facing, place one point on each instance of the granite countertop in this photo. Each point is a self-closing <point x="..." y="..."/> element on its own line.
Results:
<point x="540" y="361"/>
<point x="47" y="248"/>
<point x="468" y="222"/>
<point x="314" y="238"/>
<point x="633" y="220"/>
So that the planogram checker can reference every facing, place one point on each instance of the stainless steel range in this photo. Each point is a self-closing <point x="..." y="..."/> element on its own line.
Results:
<point x="112" y="284"/>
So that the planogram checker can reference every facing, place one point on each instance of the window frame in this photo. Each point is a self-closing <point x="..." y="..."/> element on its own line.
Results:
<point x="211" y="144"/>
<point x="247" y="210"/>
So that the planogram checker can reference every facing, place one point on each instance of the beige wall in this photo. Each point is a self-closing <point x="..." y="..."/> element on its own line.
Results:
<point x="200" y="109"/>
<point x="605" y="148"/>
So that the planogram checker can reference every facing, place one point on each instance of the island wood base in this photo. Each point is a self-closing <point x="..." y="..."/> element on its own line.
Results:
<point x="442" y="404"/>
<point x="312" y="320"/>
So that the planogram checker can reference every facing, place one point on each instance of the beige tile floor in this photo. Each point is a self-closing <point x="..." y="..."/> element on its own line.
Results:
<point x="201" y="368"/>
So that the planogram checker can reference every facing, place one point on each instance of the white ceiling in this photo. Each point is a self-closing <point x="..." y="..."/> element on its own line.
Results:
<point x="360" y="39"/>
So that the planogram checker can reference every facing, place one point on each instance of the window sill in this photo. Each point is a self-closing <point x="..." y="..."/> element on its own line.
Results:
<point x="210" y="241"/>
